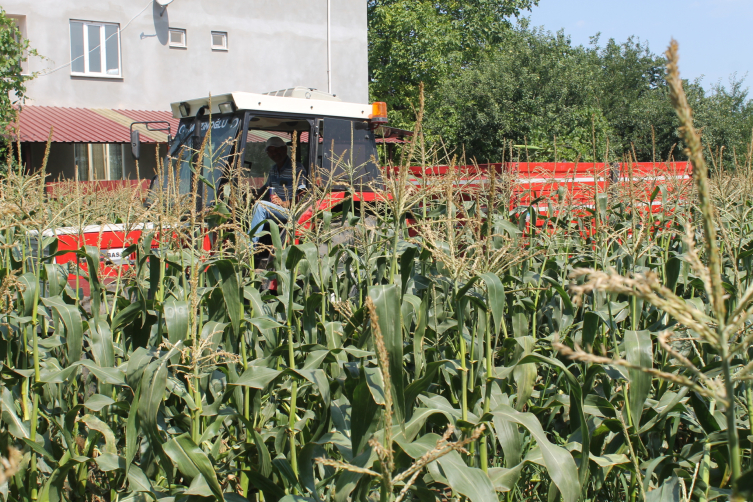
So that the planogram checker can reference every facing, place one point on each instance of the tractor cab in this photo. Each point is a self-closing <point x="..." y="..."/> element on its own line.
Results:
<point x="332" y="139"/>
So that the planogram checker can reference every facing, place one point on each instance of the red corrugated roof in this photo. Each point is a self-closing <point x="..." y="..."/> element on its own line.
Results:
<point x="146" y="115"/>
<point x="82" y="125"/>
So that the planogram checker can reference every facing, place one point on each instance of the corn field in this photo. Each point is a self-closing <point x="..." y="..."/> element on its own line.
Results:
<point x="432" y="346"/>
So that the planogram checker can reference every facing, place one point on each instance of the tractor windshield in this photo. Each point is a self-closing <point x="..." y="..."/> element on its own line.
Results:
<point x="256" y="162"/>
<point x="218" y="149"/>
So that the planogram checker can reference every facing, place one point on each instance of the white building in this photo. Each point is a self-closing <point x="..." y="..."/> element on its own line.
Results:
<point x="117" y="62"/>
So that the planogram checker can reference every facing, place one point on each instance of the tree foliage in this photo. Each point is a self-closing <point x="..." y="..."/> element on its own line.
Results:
<point x="14" y="51"/>
<point x="413" y="41"/>
<point x="537" y="85"/>
<point x="489" y="83"/>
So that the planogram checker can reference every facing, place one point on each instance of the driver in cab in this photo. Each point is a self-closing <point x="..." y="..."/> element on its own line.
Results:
<point x="280" y="187"/>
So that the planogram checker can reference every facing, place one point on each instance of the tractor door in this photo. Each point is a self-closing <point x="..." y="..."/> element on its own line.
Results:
<point x="349" y="155"/>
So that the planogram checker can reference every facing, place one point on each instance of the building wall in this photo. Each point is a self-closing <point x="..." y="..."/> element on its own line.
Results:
<point x="273" y="44"/>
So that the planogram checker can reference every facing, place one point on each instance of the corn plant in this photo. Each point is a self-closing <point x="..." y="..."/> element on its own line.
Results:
<point x="443" y="343"/>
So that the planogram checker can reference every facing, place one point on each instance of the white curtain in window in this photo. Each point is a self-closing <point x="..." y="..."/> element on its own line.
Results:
<point x="115" y="152"/>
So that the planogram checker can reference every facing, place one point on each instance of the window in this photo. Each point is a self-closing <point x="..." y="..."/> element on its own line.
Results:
<point x="99" y="161"/>
<point x="219" y="40"/>
<point x="95" y="49"/>
<point x="177" y="38"/>
<point x="21" y="35"/>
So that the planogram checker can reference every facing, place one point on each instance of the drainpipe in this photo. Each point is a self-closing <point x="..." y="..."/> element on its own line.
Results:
<point x="329" y="47"/>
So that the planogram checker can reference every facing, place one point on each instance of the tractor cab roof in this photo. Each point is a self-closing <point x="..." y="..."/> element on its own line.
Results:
<point x="294" y="101"/>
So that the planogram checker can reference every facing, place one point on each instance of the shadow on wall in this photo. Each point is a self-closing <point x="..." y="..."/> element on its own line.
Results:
<point x="161" y="22"/>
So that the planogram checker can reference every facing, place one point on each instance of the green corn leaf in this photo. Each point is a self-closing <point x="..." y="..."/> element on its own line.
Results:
<point x="306" y="466"/>
<point x="113" y="376"/>
<point x="420" y="385"/>
<point x="57" y="278"/>
<point x="639" y="352"/>
<point x="257" y="377"/>
<point x="504" y="479"/>
<point x="365" y="417"/>
<point x="127" y="315"/>
<point x="470" y="482"/>
<point x="131" y="430"/>
<point x="98" y="425"/>
<point x="98" y="401"/>
<point x="407" y="260"/>
<point x="153" y="384"/>
<point x="579" y="420"/>
<point x="286" y="471"/>
<point x="176" y="319"/>
<point x="231" y="292"/>
<point x="181" y="459"/>
<point x="272" y="492"/>
<point x="29" y="285"/>
<point x="265" y="459"/>
<point x="91" y="254"/>
<point x="74" y="329"/>
<point x="346" y="481"/>
<point x="669" y="491"/>
<point x="41" y="451"/>
<point x="17" y="427"/>
<point x="53" y="489"/>
<point x="524" y="373"/>
<point x="319" y="378"/>
<point x="703" y="415"/>
<point x="297" y="253"/>
<point x="558" y="461"/>
<point x="102" y="345"/>
<point x="139" y="482"/>
<point x="495" y="293"/>
<point x="264" y="323"/>
<point x="387" y="303"/>
<point x="590" y="329"/>
<point x="202" y="463"/>
<point x="296" y="498"/>
<point x="376" y="385"/>
<point x="510" y="441"/>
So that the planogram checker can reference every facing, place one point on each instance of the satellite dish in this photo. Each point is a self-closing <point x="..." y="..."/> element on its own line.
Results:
<point x="163" y="3"/>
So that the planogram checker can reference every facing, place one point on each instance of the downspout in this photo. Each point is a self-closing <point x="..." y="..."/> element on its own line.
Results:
<point x="329" y="47"/>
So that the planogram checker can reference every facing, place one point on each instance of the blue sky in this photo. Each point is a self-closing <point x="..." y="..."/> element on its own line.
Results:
<point x="715" y="36"/>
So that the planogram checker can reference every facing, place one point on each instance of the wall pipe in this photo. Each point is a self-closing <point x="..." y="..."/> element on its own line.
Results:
<point x="329" y="47"/>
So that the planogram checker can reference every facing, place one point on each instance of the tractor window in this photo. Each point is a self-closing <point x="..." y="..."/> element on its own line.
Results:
<point x="218" y="151"/>
<point x="350" y="154"/>
<point x="256" y="163"/>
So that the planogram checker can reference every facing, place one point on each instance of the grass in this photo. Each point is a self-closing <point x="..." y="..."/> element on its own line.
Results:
<point x="432" y="347"/>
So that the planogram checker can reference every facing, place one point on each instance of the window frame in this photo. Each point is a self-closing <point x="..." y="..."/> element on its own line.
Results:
<point x="87" y="149"/>
<point x="102" y="48"/>
<point x="177" y="46"/>
<point x="221" y="48"/>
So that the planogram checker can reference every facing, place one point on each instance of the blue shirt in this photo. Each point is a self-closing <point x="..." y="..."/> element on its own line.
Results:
<point x="281" y="179"/>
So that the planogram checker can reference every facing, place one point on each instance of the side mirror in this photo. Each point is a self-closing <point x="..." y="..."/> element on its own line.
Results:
<point x="135" y="144"/>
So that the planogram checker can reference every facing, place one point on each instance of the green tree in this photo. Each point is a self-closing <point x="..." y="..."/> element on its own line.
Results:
<point x="414" y="41"/>
<point x="14" y="51"/>
<point x="724" y="116"/>
<point x="633" y="97"/>
<point x="534" y="86"/>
